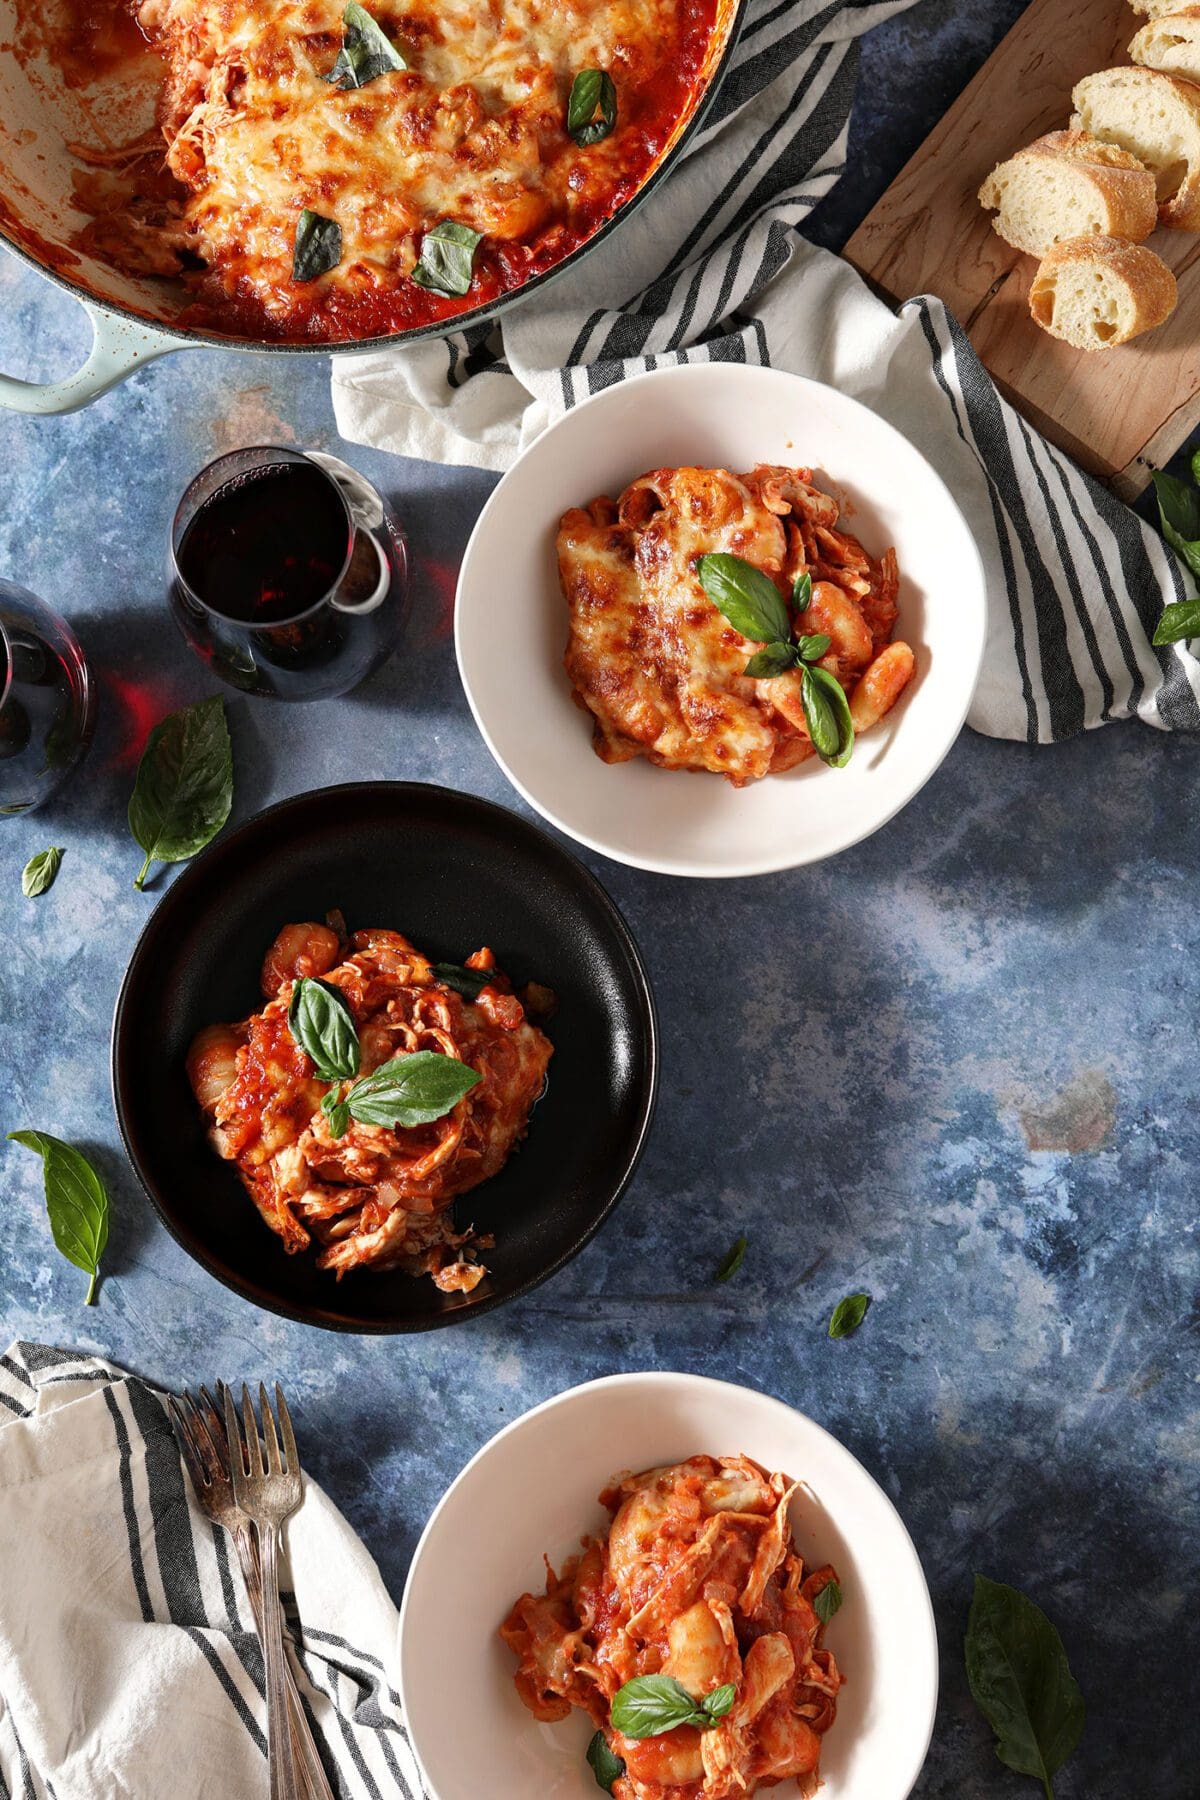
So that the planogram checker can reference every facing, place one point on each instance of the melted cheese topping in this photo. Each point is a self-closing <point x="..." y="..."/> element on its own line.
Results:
<point x="659" y="667"/>
<point x="474" y="130"/>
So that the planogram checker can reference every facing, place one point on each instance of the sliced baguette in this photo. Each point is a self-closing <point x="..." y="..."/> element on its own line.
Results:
<point x="1097" y="292"/>
<point x="1157" y="118"/>
<point x="1171" y="44"/>
<point x="1069" y="185"/>
<point x="1155" y="9"/>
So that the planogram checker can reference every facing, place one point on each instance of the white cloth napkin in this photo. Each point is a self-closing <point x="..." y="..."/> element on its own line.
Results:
<point x="712" y="267"/>
<point x="129" y="1666"/>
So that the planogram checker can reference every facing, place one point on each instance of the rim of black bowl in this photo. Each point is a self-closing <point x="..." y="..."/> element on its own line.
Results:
<point x="388" y="1327"/>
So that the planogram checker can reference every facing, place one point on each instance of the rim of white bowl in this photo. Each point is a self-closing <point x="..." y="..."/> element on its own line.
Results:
<point x="676" y="1377"/>
<point x="766" y="864"/>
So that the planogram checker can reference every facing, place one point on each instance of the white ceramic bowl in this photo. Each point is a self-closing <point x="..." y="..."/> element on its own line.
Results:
<point x="510" y="623"/>
<point x="532" y="1490"/>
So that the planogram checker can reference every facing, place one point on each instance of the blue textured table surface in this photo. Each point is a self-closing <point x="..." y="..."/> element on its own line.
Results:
<point x="975" y="1098"/>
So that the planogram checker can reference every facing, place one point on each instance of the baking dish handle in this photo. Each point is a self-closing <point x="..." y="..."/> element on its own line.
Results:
<point x="119" y="346"/>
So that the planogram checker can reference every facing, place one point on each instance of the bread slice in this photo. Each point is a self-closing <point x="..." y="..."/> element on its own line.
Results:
<point x="1157" y="118"/>
<point x="1171" y="43"/>
<point x="1070" y="185"/>
<point x="1097" y="292"/>
<point x="1155" y="9"/>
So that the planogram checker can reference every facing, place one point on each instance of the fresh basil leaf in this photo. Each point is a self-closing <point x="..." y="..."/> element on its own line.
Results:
<point x="828" y="1601"/>
<point x="827" y="712"/>
<point x="39" y="872"/>
<point x="337" y="1113"/>
<point x="366" y="52"/>
<point x="1179" y="515"/>
<point x="470" y="983"/>
<point x="746" y="597"/>
<point x="848" y="1315"/>
<point x="732" y="1260"/>
<point x="1021" y="1681"/>
<point x="76" y="1203"/>
<point x="604" y="1764"/>
<point x="411" y="1090"/>
<point x="802" y="592"/>
<point x="447" y="258"/>
<point x="811" y="649"/>
<point x="772" y="659"/>
<point x="590" y="89"/>
<point x="184" y="787"/>
<point x="718" y="1703"/>
<point x="651" y="1704"/>
<point x="320" y="1020"/>
<point x="1179" y="621"/>
<point x="317" y="246"/>
<point x="1178" y="503"/>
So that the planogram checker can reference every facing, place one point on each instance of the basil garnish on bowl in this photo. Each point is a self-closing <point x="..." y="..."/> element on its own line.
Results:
<point x="323" y="1025"/>
<point x="184" y="787"/>
<point x="317" y="247"/>
<point x="828" y="1601"/>
<point x="470" y="983"/>
<point x="651" y="1704"/>
<point x="755" y="607"/>
<point x="366" y="52"/>
<point x="592" y="91"/>
<point x="447" y="260"/>
<point x="76" y="1203"/>
<point x="413" y="1089"/>
<point x="604" y="1764"/>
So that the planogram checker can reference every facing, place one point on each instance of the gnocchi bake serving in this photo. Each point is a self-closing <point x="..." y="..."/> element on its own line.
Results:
<point x="371" y="1090"/>
<point x="690" y="1632"/>
<point x="727" y="623"/>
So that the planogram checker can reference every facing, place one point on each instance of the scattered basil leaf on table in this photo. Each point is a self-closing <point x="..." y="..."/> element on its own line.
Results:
<point x="828" y="1601"/>
<point x="827" y="716"/>
<point x="745" y="596"/>
<point x="732" y="1260"/>
<point x="470" y="983"/>
<point x="591" y="89"/>
<point x="39" y="872"/>
<point x="317" y="246"/>
<point x="366" y="53"/>
<point x="76" y="1203"/>
<point x="848" y="1315"/>
<point x="605" y="1766"/>
<point x="447" y="259"/>
<point x="1021" y="1682"/>
<point x="802" y="592"/>
<point x="322" y="1024"/>
<point x="411" y="1090"/>
<point x="184" y="787"/>
<point x="651" y="1704"/>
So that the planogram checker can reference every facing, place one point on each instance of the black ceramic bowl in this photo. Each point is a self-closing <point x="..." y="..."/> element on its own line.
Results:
<point x="452" y="873"/>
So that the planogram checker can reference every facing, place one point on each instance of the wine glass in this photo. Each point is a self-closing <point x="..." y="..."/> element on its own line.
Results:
<point x="47" y="700"/>
<point x="288" y="573"/>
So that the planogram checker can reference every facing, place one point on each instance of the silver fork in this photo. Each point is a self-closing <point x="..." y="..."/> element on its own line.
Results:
<point x="267" y="1493"/>
<point x="200" y="1433"/>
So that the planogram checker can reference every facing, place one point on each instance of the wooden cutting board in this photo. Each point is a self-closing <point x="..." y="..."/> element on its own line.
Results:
<point x="1118" y="412"/>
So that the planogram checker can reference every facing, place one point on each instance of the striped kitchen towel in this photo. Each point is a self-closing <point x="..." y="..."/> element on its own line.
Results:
<point x="129" y="1665"/>
<point x="712" y="266"/>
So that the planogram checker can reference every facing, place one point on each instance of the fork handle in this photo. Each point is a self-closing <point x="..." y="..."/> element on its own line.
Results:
<point x="281" y="1762"/>
<point x="312" y="1778"/>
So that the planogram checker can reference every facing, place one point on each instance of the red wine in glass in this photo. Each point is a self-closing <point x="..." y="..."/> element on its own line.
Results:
<point x="288" y="573"/>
